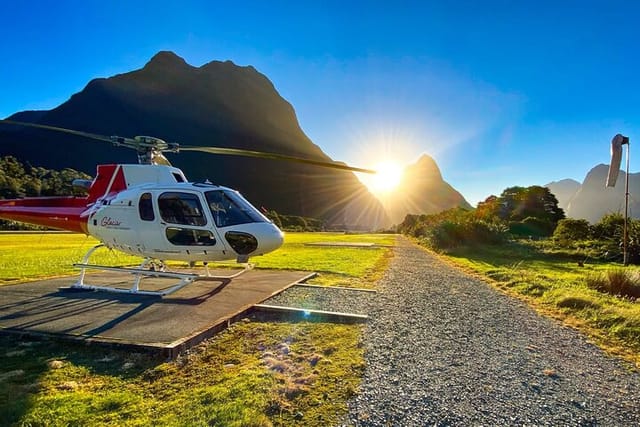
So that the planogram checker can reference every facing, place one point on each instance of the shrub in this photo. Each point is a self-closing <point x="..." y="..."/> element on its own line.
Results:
<point x="618" y="281"/>
<point x="570" y="229"/>
<point x="449" y="234"/>
<point x="453" y="228"/>
<point x="610" y="226"/>
<point x="531" y="227"/>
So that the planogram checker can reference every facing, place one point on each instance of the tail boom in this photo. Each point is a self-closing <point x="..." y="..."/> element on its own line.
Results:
<point x="65" y="213"/>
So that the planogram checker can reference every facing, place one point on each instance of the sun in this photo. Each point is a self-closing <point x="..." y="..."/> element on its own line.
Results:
<point x="388" y="177"/>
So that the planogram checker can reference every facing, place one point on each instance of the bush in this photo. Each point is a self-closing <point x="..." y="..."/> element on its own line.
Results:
<point x="610" y="230"/>
<point x="449" y="234"/>
<point x="569" y="230"/>
<point x="619" y="282"/>
<point x="531" y="227"/>
<point x="610" y="226"/>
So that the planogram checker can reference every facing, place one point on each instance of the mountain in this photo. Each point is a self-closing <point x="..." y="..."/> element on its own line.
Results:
<point x="564" y="190"/>
<point x="217" y="104"/>
<point x="422" y="190"/>
<point x="592" y="200"/>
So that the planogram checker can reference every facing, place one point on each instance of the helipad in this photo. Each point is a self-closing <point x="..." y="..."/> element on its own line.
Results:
<point x="169" y="324"/>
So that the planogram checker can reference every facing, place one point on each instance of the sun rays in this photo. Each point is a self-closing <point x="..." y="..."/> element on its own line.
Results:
<point x="388" y="177"/>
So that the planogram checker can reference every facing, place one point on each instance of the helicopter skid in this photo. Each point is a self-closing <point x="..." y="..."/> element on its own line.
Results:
<point x="156" y="269"/>
<point x="185" y="279"/>
<point x="208" y="275"/>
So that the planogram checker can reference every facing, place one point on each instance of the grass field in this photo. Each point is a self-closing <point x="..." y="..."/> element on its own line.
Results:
<point x="555" y="283"/>
<point x="253" y="374"/>
<point x="33" y="255"/>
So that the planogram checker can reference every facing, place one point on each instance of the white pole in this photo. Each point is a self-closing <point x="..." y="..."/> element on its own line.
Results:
<point x="626" y="210"/>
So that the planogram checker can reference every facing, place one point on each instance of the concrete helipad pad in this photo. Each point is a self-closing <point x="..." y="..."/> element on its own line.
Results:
<point x="169" y="324"/>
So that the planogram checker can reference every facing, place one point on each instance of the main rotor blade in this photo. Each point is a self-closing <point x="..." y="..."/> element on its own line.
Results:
<point x="58" y="129"/>
<point x="212" y="150"/>
<point x="273" y="156"/>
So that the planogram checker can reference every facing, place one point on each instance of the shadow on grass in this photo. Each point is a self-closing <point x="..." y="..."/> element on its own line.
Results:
<point x="512" y="253"/>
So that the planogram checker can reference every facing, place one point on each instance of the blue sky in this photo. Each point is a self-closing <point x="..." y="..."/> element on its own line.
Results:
<point x="500" y="93"/>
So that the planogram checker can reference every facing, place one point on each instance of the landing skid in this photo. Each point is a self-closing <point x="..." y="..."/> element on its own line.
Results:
<point x="148" y="268"/>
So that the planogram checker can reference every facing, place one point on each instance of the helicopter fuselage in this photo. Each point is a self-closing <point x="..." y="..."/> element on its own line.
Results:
<point x="152" y="212"/>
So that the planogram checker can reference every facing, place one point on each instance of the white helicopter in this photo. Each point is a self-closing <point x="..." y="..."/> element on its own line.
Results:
<point x="152" y="211"/>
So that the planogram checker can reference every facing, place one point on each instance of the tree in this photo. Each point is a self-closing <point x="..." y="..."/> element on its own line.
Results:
<point x="489" y="209"/>
<point x="530" y="211"/>
<point x="18" y="180"/>
<point x="535" y="201"/>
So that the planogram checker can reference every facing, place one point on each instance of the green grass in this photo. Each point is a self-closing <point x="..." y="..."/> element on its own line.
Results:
<point x="33" y="255"/>
<point x="351" y="267"/>
<point x="555" y="283"/>
<point x="253" y="374"/>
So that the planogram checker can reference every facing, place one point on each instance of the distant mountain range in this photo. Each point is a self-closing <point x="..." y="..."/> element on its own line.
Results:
<point x="217" y="104"/>
<point x="591" y="200"/>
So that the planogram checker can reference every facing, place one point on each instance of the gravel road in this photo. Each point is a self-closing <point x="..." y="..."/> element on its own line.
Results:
<point x="443" y="348"/>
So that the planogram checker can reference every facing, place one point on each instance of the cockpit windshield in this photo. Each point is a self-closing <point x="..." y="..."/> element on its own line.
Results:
<point x="230" y="208"/>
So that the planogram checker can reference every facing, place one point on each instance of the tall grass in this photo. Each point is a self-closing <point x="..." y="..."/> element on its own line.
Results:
<point x="617" y="281"/>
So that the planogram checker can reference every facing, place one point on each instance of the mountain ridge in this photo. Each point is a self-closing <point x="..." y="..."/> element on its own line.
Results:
<point x="216" y="104"/>
<point x="591" y="199"/>
<point x="219" y="104"/>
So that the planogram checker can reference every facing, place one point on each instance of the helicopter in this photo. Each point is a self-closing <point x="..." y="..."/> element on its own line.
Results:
<point x="152" y="211"/>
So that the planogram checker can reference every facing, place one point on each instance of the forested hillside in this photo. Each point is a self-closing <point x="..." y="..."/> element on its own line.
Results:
<point x="24" y="180"/>
<point x="20" y="180"/>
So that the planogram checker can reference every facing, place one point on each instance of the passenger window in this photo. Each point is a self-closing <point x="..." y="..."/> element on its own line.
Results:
<point x="181" y="208"/>
<point x="190" y="237"/>
<point x="145" y="207"/>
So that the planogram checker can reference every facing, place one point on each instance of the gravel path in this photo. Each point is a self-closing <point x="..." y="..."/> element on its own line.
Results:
<point x="443" y="348"/>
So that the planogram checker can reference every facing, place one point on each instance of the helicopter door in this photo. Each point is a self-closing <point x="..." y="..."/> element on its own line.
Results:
<point x="185" y="226"/>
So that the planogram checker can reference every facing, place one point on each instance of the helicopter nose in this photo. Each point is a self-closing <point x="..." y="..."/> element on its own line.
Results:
<point x="272" y="239"/>
<point x="254" y="238"/>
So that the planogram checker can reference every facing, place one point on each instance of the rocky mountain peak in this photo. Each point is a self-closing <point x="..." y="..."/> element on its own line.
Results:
<point x="591" y="200"/>
<point x="425" y="168"/>
<point x="166" y="59"/>
<point x="422" y="191"/>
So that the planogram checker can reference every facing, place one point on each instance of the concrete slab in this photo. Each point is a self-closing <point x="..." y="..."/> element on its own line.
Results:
<point x="169" y="324"/>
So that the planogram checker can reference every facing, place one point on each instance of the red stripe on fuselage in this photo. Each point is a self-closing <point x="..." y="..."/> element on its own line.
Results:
<point x="56" y="212"/>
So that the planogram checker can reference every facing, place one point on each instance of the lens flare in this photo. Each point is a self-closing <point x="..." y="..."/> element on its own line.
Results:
<point x="387" y="178"/>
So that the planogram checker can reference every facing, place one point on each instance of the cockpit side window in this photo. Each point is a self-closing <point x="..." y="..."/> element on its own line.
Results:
<point x="229" y="208"/>
<point x="145" y="208"/>
<point x="181" y="208"/>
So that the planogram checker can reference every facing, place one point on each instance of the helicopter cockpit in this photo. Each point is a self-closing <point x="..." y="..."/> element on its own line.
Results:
<point x="229" y="208"/>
